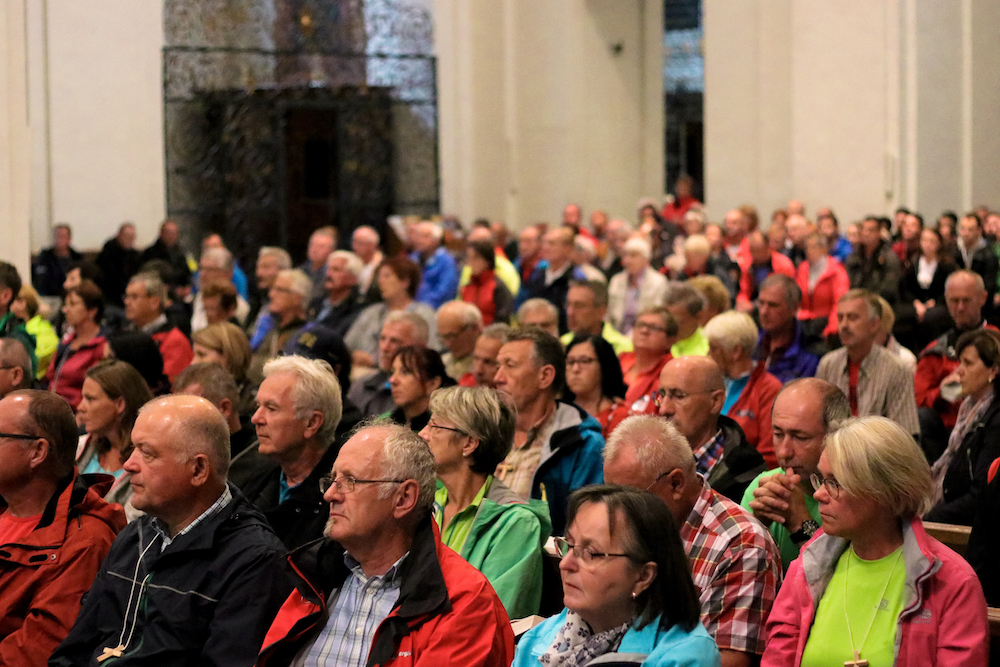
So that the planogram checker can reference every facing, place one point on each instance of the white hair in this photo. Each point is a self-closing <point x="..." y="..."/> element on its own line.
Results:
<point x="365" y="229"/>
<point x="731" y="329"/>
<point x="218" y="256"/>
<point x="434" y="228"/>
<point x="659" y="446"/>
<point x="284" y="259"/>
<point x="301" y="283"/>
<point x="468" y="313"/>
<point x="697" y="243"/>
<point x="316" y="390"/>
<point x="585" y="245"/>
<point x="354" y="265"/>
<point x="421" y="330"/>
<point x="638" y="246"/>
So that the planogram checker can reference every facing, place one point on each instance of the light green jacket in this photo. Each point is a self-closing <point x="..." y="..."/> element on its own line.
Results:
<point x="505" y="544"/>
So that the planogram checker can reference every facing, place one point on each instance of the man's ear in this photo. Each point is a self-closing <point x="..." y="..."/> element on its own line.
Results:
<point x="201" y="469"/>
<point x="314" y="423"/>
<point x="226" y="408"/>
<point x="17" y="375"/>
<point x="39" y="452"/>
<point x="546" y="376"/>
<point x="406" y="498"/>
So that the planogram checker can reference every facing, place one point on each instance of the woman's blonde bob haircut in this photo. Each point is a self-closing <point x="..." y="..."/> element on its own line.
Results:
<point x="874" y="458"/>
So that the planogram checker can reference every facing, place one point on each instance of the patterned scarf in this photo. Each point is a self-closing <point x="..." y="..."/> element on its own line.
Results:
<point x="575" y="644"/>
<point x="969" y="414"/>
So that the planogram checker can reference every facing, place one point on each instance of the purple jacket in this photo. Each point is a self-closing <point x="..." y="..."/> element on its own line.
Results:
<point x="792" y="362"/>
<point x="943" y="622"/>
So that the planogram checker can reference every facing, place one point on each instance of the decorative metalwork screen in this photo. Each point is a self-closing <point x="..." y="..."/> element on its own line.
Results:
<point x="281" y="116"/>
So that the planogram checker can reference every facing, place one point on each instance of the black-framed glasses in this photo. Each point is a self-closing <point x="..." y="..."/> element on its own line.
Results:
<point x="585" y="555"/>
<point x="447" y="428"/>
<point x="646" y="326"/>
<point x="659" y="477"/>
<point x="676" y="395"/>
<point x="833" y="487"/>
<point x="347" y="483"/>
<point x="20" y="436"/>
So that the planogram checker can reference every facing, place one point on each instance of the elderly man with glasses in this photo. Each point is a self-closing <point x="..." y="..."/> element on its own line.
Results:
<point x="691" y="396"/>
<point x="391" y="592"/>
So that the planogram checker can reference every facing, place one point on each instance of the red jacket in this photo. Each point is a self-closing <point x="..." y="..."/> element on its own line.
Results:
<point x="937" y="361"/>
<point x="176" y="351"/>
<point x="779" y="264"/>
<point x="44" y="578"/>
<point x="943" y="623"/>
<point x="638" y="397"/>
<point x="447" y="613"/>
<point x="822" y="300"/>
<point x="752" y="411"/>
<point x="69" y="367"/>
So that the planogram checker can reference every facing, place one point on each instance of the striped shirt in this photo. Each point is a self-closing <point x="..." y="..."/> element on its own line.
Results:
<point x="736" y="568"/>
<point x="885" y="386"/>
<point x="356" y="611"/>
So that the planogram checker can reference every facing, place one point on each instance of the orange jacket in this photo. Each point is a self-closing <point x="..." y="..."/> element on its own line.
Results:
<point x="44" y="578"/>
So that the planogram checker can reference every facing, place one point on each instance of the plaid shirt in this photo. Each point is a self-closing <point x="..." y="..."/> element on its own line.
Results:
<point x="164" y="532"/>
<point x="736" y="568"/>
<point x="709" y="454"/>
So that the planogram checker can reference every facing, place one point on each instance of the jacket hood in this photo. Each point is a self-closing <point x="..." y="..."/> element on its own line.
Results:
<point x="500" y="497"/>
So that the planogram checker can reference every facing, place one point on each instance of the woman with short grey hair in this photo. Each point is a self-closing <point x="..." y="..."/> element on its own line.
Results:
<point x="470" y="432"/>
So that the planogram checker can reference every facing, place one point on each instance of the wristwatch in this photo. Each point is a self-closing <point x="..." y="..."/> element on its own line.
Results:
<point x="805" y="531"/>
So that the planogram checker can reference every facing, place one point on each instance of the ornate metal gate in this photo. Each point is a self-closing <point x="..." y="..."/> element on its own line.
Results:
<point x="281" y="116"/>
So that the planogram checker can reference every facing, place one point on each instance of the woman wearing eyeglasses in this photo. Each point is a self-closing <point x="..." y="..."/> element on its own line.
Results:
<point x="470" y="432"/>
<point x="872" y="588"/>
<point x="654" y="333"/>
<point x="626" y="585"/>
<point x="594" y="380"/>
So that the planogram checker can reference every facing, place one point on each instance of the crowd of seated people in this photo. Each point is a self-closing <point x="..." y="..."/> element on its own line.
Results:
<point x="719" y="441"/>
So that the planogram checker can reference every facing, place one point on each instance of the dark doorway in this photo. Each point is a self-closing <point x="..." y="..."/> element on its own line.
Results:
<point x="311" y="193"/>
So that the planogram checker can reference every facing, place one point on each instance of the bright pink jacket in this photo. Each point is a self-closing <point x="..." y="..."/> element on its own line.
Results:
<point x="943" y="622"/>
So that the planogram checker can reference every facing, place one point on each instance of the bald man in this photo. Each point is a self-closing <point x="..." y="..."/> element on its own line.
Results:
<point x="691" y="395"/>
<point x="210" y="567"/>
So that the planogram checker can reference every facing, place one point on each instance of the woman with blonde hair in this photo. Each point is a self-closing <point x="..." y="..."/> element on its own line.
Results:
<point x="470" y="432"/>
<point x="226" y="344"/>
<point x="872" y="587"/>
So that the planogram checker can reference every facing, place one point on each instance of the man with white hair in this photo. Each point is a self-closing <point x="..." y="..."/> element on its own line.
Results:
<point x="735" y="562"/>
<point x="440" y="273"/>
<point x="458" y="325"/>
<point x="365" y="242"/>
<point x="637" y="287"/>
<point x="216" y="266"/>
<point x="299" y="408"/>
<point x="699" y="261"/>
<point x="343" y="301"/>
<point x="194" y="581"/>
<point x="289" y="295"/>
<point x="750" y="389"/>
<point x="400" y="329"/>
<point x="584" y="255"/>
<point x="616" y="234"/>
<point x="391" y="592"/>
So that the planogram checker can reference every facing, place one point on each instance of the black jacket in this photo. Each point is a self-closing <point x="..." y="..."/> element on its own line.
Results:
<point x="740" y="464"/>
<point x="984" y="542"/>
<point x="911" y="289"/>
<point x="985" y="263"/>
<point x="117" y="265"/>
<point x="881" y="273"/>
<point x="48" y="272"/>
<point x="555" y="293"/>
<point x="303" y="515"/>
<point x="339" y="318"/>
<point x="207" y="599"/>
<point x="180" y="271"/>
<point x="966" y="476"/>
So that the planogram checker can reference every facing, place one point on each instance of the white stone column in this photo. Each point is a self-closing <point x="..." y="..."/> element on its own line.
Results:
<point x="15" y="139"/>
<point x="546" y="103"/>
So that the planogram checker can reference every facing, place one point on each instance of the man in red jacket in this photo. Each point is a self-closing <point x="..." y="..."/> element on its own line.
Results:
<point x="145" y="302"/>
<point x="935" y="381"/>
<point x="380" y="588"/>
<point x="55" y="527"/>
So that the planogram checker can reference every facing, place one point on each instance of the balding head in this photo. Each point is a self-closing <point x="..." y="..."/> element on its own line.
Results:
<point x="459" y="324"/>
<point x="691" y="395"/>
<point x="181" y="459"/>
<point x="965" y="294"/>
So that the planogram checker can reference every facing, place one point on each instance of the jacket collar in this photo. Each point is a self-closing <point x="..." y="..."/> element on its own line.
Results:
<point x="319" y="567"/>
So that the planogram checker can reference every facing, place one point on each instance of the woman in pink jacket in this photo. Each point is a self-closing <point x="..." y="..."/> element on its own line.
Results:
<point x="872" y="588"/>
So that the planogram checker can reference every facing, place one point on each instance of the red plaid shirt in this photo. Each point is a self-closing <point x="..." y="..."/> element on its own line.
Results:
<point x="736" y="568"/>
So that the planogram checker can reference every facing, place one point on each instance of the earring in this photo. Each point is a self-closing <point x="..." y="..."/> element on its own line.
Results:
<point x="633" y="595"/>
